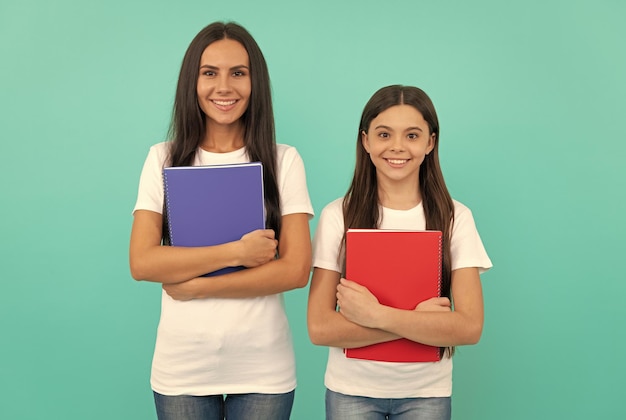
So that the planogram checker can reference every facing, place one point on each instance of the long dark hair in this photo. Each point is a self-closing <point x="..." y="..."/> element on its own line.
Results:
<point x="188" y="124"/>
<point x="361" y="203"/>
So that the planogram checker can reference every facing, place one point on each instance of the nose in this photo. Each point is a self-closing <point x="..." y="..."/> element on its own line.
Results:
<point x="223" y="83"/>
<point x="397" y="145"/>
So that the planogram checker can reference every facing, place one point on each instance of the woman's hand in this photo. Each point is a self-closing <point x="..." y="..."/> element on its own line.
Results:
<point x="357" y="303"/>
<point x="186" y="290"/>
<point x="436" y="304"/>
<point x="258" y="247"/>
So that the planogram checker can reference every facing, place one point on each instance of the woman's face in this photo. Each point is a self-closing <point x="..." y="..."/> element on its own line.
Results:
<point x="224" y="84"/>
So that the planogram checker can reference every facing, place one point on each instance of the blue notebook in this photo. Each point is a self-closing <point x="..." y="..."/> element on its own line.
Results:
<point x="214" y="204"/>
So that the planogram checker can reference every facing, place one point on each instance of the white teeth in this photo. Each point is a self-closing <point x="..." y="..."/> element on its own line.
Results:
<point x="396" y="161"/>
<point x="224" y="103"/>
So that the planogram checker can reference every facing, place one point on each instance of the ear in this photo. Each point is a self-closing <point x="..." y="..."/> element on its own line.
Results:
<point x="431" y="143"/>
<point x="365" y="141"/>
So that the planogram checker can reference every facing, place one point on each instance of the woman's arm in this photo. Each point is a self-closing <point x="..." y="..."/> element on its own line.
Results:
<point x="326" y="326"/>
<point x="430" y="323"/>
<point x="167" y="264"/>
<point x="289" y="271"/>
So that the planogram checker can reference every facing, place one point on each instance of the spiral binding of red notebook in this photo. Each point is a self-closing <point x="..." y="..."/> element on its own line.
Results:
<point x="401" y="268"/>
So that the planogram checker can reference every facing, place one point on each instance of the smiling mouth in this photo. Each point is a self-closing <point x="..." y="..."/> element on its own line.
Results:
<point x="397" y="161"/>
<point x="224" y="103"/>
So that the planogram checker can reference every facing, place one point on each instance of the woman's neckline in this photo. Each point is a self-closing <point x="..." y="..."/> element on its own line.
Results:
<point x="238" y="151"/>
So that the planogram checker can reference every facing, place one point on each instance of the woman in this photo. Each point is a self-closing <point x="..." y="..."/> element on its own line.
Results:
<point x="223" y="345"/>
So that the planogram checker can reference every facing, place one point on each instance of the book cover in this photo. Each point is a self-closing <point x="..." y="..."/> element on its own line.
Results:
<point x="213" y="204"/>
<point x="401" y="268"/>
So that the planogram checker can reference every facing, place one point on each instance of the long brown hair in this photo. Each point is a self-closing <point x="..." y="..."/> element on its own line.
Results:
<point x="188" y="124"/>
<point x="361" y="205"/>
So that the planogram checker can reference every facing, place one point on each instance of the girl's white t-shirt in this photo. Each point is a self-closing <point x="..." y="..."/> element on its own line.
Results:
<point x="390" y="379"/>
<point x="223" y="346"/>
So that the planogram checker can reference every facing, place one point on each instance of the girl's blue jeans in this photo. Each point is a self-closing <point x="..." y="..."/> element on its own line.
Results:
<point x="350" y="407"/>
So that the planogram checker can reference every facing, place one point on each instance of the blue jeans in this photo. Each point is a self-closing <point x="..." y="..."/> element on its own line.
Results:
<point x="219" y="407"/>
<point x="350" y="407"/>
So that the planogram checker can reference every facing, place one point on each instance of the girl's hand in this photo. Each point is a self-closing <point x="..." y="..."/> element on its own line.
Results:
<point x="436" y="304"/>
<point x="257" y="247"/>
<point x="185" y="290"/>
<point x="357" y="303"/>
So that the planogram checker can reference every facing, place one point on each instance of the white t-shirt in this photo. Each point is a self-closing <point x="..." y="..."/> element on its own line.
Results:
<point x="389" y="379"/>
<point x="221" y="346"/>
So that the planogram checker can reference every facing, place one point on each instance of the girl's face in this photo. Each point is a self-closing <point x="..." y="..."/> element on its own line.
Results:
<point x="224" y="84"/>
<point x="397" y="141"/>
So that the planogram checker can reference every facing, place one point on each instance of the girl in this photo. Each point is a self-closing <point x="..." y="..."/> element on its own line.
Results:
<point x="397" y="184"/>
<point x="223" y="344"/>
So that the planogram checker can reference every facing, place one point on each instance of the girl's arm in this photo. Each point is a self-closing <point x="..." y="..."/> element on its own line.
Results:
<point x="289" y="271"/>
<point x="431" y="323"/>
<point x="326" y="326"/>
<point x="166" y="264"/>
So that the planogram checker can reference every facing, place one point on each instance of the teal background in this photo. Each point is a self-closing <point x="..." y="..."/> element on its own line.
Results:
<point x="530" y="97"/>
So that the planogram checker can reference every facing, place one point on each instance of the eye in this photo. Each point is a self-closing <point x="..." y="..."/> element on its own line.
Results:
<point x="239" y="73"/>
<point x="209" y="73"/>
<point x="383" y="135"/>
<point x="412" y="136"/>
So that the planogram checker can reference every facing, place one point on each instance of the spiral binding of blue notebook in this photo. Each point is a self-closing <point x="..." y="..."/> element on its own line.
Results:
<point x="213" y="204"/>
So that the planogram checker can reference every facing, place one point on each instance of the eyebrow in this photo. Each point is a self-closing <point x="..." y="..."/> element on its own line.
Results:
<point x="210" y="67"/>
<point x="384" y="127"/>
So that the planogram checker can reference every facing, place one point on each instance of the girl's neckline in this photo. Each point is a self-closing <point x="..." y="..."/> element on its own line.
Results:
<point x="417" y="207"/>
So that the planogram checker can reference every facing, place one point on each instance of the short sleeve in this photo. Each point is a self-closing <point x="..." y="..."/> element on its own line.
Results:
<point x="150" y="192"/>
<point x="466" y="247"/>
<point x="294" y="194"/>
<point x="328" y="237"/>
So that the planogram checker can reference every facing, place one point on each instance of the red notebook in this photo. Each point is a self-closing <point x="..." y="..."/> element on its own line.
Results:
<point x="401" y="268"/>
